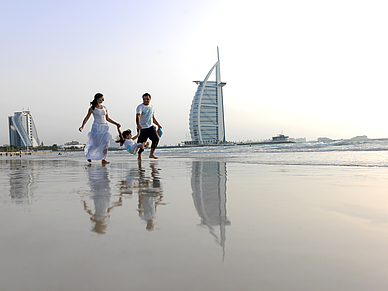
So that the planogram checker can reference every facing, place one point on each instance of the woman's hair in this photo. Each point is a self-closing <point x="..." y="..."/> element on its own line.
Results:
<point x="94" y="102"/>
<point x="124" y="134"/>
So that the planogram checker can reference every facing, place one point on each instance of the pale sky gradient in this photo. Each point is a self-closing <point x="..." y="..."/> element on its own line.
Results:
<point x="307" y="68"/>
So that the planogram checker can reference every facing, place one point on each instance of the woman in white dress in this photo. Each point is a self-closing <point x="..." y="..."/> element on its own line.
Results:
<point x="97" y="146"/>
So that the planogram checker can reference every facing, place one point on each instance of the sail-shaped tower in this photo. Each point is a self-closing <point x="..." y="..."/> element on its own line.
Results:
<point x="22" y="130"/>
<point x="206" y="121"/>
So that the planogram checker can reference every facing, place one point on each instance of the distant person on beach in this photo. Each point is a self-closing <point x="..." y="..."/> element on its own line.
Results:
<point x="145" y="118"/>
<point x="97" y="146"/>
<point x="127" y="140"/>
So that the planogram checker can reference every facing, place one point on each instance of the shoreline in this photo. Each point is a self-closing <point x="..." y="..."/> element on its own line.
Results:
<point x="17" y="154"/>
<point x="225" y="144"/>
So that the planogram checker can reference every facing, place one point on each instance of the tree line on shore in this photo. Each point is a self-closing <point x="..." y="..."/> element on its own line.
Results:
<point x="53" y="148"/>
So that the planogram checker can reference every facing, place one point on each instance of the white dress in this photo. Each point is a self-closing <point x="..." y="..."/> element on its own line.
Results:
<point x="97" y="146"/>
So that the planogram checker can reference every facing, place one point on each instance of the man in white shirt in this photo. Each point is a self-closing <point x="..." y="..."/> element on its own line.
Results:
<point x="145" y="118"/>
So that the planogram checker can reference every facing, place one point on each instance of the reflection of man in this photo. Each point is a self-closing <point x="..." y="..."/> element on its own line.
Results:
<point x="145" y="118"/>
<point x="147" y="210"/>
<point x="150" y="196"/>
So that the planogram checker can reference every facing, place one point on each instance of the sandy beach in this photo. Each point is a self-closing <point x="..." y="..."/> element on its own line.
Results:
<point x="191" y="223"/>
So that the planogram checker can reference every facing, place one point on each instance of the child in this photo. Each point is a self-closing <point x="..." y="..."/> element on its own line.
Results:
<point x="126" y="139"/>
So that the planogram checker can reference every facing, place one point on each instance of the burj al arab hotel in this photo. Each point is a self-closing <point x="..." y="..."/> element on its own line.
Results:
<point x="206" y="121"/>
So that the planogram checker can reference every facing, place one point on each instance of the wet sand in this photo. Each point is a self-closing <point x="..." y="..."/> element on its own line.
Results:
<point x="191" y="224"/>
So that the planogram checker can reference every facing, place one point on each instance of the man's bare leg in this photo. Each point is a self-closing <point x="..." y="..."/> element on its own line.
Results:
<point x="152" y="154"/>
<point x="139" y="156"/>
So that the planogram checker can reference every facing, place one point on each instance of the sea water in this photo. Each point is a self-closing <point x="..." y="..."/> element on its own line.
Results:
<point x="366" y="153"/>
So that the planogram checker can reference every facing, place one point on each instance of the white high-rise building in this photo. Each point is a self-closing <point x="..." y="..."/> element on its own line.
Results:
<point x="22" y="130"/>
<point x="206" y="121"/>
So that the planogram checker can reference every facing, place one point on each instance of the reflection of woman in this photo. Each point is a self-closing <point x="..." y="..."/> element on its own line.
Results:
<point x="100" y="193"/>
<point x="97" y="146"/>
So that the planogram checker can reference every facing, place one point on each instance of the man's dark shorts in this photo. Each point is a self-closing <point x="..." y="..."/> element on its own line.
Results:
<point x="148" y="133"/>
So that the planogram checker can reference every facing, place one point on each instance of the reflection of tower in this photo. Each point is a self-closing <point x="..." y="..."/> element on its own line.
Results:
<point x="208" y="183"/>
<point x="207" y="125"/>
<point x="22" y="130"/>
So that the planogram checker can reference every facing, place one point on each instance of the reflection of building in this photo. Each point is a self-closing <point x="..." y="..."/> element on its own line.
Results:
<point x="207" y="125"/>
<point x="208" y="183"/>
<point x="22" y="130"/>
<point x="21" y="180"/>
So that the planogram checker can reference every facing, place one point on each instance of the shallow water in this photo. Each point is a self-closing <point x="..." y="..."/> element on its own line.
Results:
<point x="191" y="223"/>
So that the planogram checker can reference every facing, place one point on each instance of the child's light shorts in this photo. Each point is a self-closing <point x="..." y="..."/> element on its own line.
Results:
<point x="133" y="149"/>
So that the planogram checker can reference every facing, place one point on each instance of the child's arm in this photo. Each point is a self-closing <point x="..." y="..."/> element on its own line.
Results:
<point x="137" y="135"/>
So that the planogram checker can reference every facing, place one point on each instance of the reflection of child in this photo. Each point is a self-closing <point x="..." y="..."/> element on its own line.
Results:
<point x="127" y="140"/>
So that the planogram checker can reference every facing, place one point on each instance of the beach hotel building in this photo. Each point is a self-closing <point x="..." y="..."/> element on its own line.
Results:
<point x="206" y="121"/>
<point x="22" y="130"/>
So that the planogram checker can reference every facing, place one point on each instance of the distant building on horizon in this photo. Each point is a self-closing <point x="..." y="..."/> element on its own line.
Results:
<point x="359" y="137"/>
<point x="113" y="143"/>
<point x="22" y="130"/>
<point x="206" y="120"/>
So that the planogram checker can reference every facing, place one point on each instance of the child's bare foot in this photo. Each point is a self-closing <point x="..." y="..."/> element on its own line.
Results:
<point x="105" y="162"/>
<point x="147" y="145"/>
<point x="153" y="157"/>
<point x="89" y="160"/>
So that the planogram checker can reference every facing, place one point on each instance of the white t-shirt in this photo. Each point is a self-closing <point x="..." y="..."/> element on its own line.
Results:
<point x="146" y="113"/>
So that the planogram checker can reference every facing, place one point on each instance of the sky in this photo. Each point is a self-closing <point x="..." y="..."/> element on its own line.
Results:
<point x="305" y="68"/>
